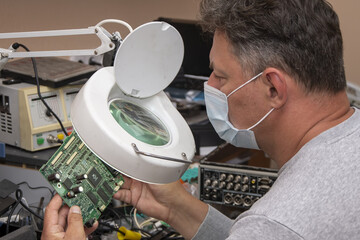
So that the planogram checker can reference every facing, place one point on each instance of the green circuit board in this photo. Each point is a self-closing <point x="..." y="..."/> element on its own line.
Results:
<point x="81" y="178"/>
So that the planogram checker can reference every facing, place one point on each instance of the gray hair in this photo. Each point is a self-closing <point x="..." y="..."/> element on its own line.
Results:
<point x="300" y="37"/>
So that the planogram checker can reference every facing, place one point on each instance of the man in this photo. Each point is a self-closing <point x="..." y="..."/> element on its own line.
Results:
<point x="278" y="84"/>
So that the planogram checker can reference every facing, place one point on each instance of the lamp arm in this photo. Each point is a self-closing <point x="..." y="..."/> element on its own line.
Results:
<point x="104" y="36"/>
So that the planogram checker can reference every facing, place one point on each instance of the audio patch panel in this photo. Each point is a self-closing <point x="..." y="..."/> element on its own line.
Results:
<point x="234" y="185"/>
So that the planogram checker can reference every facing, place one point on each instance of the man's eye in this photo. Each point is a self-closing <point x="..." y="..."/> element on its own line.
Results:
<point x="218" y="77"/>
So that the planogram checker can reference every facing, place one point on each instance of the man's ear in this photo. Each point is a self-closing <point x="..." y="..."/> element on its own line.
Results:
<point x="276" y="84"/>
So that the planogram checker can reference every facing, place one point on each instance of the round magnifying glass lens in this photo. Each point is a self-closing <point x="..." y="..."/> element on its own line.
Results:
<point x="139" y="122"/>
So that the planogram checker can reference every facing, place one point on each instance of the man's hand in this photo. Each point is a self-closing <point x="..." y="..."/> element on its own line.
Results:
<point x="62" y="222"/>
<point x="168" y="202"/>
<point x="151" y="199"/>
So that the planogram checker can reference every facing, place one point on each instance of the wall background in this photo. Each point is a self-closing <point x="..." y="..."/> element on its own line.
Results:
<point x="348" y="12"/>
<point x="25" y="15"/>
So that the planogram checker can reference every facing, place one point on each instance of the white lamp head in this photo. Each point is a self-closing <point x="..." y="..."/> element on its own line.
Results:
<point x="125" y="118"/>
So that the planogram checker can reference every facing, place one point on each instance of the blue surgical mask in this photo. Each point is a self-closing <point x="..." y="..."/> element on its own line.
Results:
<point x="217" y="110"/>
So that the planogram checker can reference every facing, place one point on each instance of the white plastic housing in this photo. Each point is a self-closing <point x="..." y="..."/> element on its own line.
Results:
<point x="148" y="59"/>
<point x="101" y="133"/>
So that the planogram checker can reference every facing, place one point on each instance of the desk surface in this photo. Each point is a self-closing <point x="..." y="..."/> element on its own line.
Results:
<point x="16" y="155"/>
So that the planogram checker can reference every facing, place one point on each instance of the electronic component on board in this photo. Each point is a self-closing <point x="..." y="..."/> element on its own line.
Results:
<point x="54" y="177"/>
<point x="78" y="189"/>
<point x="85" y="181"/>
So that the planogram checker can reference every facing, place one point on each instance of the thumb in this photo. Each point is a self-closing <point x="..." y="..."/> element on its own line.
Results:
<point x="75" y="228"/>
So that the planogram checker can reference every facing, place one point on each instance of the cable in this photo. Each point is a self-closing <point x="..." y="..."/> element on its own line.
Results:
<point x="118" y="230"/>
<point x="155" y="230"/>
<point x="147" y="222"/>
<point x="175" y="238"/>
<point x="34" y="188"/>
<point x="135" y="219"/>
<point x="10" y="214"/>
<point x="114" y="212"/>
<point x="115" y="21"/>
<point x="132" y="219"/>
<point x="106" y="214"/>
<point x="142" y="230"/>
<point x="111" y="227"/>
<point x="19" y="195"/>
<point x="17" y="45"/>
<point x="139" y="228"/>
<point x="17" y="218"/>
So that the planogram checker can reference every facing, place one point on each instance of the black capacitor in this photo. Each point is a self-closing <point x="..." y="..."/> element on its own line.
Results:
<point x="70" y="194"/>
<point x="54" y="177"/>
<point x="82" y="177"/>
<point x="78" y="189"/>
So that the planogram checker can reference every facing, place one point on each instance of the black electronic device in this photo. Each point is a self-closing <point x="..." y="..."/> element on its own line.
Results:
<point x="53" y="71"/>
<point x="7" y="187"/>
<point x="197" y="44"/>
<point x="5" y="204"/>
<point x="233" y="184"/>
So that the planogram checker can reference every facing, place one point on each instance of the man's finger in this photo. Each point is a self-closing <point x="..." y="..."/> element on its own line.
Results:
<point x="51" y="211"/>
<point x="63" y="213"/>
<point x="123" y="195"/>
<point x="127" y="182"/>
<point x="75" y="228"/>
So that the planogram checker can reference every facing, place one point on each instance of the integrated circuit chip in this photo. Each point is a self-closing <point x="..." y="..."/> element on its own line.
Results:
<point x="107" y="188"/>
<point x="94" y="177"/>
<point x="68" y="183"/>
<point x="103" y="195"/>
<point x="92" y="197"/>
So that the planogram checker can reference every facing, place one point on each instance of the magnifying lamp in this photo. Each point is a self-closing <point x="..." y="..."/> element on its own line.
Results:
<point x="122" y="114"/>
<point x="124" y="117"/>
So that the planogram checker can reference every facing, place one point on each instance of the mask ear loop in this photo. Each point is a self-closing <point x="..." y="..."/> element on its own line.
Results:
<point x="244" y="84"/>
<point x="252" y="79"/>
<point x="262" y="119"/>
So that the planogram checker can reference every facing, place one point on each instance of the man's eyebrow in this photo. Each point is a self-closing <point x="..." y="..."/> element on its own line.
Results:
<point x="211" y="66"/>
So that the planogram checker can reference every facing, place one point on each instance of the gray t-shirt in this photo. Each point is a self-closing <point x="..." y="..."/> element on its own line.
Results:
<point x="316" y="196"/>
